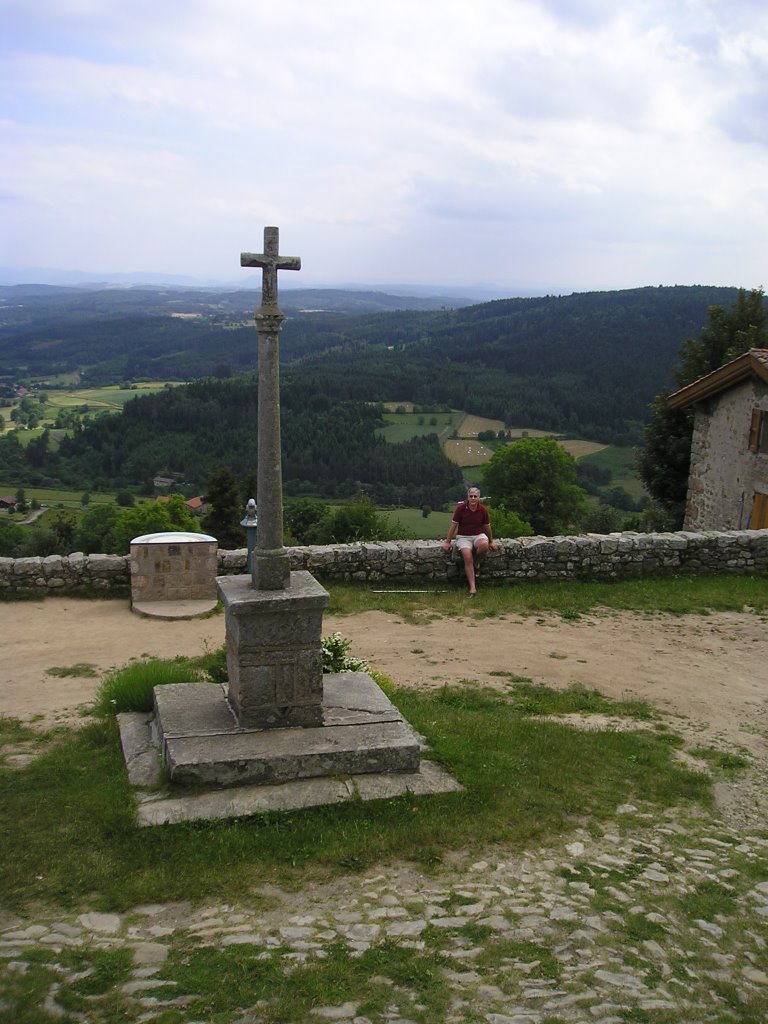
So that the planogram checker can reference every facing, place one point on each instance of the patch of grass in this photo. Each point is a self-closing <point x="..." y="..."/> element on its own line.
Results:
<point x="497" y="952"/>
<point x="524" y="781"/>
<point x="222" y="981"/>
<point x="14" y="731"/>
<point x="23" y="994"/>
<point x="130" y="688"/>
<point x="107" y="968"/>
<point x="415" y="524"/>
<point x="532" y="699"/>
<point x="82" y="670"/>
<point x="513" y="677"/>
<point x="677" y="595"/>
<point x="638" y="928"/>
<point x="707" y="900"/>
<point x="731" y="765"/>
<point x="86" y="984"/>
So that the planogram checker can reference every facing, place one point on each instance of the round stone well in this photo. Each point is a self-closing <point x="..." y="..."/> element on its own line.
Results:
<point x="173" y="574"/>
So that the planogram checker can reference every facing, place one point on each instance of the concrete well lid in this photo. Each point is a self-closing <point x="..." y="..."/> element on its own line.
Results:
<point x="173" y="537"/>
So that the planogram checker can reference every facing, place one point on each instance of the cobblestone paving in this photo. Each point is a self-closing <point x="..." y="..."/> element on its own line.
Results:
<point x="658" y="920"/>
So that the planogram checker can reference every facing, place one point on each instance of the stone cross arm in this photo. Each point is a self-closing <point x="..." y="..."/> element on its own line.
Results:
<point x="270" y="261"/>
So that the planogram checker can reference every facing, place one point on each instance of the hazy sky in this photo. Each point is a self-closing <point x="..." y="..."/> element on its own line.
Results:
<point x="564" y="145"/>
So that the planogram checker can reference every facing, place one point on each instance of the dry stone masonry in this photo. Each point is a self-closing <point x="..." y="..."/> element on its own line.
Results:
<point x="613" y="556"/>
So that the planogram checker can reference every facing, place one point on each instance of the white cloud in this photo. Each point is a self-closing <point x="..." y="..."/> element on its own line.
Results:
<point x="388" y="139"/>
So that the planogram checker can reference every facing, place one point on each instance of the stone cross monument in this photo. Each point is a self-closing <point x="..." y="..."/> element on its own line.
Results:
<point x="280" y="727"/>
<point x="270" y="569"/>
<point x="274" y="618"/>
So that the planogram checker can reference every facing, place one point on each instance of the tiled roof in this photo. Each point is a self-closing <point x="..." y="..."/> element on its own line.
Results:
<point x="751" y="363"/>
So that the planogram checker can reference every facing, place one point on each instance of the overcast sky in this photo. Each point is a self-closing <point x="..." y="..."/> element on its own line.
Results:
<point x="555" y="145"/>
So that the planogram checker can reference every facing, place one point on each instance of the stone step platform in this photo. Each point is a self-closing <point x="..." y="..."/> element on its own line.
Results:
<point x="364" y="750"/>
<point x="203" y="745"/>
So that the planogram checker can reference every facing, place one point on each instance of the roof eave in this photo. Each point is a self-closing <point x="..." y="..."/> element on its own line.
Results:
<point x="734" y="372"/>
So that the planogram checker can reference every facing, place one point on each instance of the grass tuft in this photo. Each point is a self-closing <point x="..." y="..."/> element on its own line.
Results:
<point x="82" y="670"/>
<point x="524" y="781"/>
<point x="570" y="599"/>
<point x="130" y="688"/>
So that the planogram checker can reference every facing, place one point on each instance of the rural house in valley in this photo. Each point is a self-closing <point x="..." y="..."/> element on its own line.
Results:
<point x="728" y="481"/>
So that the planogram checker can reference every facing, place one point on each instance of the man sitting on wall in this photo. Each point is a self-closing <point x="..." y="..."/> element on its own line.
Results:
<point x="473" y="524"/>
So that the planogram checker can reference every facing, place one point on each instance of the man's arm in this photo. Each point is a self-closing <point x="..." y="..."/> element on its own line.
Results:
<point x="489" y="532"/>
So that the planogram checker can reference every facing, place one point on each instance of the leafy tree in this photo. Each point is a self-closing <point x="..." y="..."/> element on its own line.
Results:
<point x="506" y="523"/>
<point x="249" y="488"/>
<point x="152" y="517"/>
<point x="21" y="500"/>
<point x="602" y="520"/>
<point x="64" y="527"/>
<point x="357" y="521"/>
<point x="301" y="518"/>
<point x="226" y="510"/>
<point x="12" y="538"/>
<point x="97" y="533"/>
<point x="619" y="498"/>
<point x="664" y="463"/>
<point x="124" y="499"/>
<point x="535" y="478"/>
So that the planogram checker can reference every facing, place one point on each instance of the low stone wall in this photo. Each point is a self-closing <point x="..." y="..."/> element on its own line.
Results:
<point x="613" y="556"/>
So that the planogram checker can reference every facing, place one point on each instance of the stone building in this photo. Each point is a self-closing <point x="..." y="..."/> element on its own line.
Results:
<point x="728" y="481"/>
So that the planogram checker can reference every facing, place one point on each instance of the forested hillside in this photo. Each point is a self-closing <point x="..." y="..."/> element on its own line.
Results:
<point x="190" y="432"/>
<point x="588" y="364"/>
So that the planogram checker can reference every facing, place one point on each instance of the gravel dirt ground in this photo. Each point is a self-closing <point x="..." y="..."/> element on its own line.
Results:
<point x="709" y="673"/>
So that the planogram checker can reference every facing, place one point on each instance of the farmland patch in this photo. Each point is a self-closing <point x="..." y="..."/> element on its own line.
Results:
<point x="578" y="449"/>
<point x="467" y="452"/>
<point x="471" y="426"/>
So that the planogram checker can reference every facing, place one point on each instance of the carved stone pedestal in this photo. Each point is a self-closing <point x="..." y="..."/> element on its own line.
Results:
<point x="274" y="651"/>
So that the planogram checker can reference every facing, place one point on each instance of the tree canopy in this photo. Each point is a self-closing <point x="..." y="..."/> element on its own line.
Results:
<point x="535" y="477"/>
<point x="664" y="463"/>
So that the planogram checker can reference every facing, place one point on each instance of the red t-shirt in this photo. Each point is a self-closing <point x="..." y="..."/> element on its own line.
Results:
<point x="471" y="523"/>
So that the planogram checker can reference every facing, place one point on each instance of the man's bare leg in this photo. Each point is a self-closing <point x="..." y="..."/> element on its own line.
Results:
<point x="469" y="569"/>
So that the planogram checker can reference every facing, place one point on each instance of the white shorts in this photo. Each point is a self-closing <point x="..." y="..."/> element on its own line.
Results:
<point x="470" y="542"/>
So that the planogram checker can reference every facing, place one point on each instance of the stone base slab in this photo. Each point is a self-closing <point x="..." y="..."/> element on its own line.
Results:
<point x="174" y="609"/>
<point x="203" y="745"/>
<point x="365" y="751"/>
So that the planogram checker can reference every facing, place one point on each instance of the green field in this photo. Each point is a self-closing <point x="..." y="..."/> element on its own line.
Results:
<point x="622" y="462"/>
<point x="50" y="496"/>
<point x="107" y="399"/>
<point x="434" y="527"/>
<point x="111" y="397"/>
<point x="403" y="426"/>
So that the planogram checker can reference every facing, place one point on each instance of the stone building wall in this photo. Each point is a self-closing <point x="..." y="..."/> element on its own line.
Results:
<point x="593" y="557"/>
<point x="724" y="474"/>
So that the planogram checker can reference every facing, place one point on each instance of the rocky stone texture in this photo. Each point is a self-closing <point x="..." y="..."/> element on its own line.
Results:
<point x="594" y="556"/>
<point x="593" y="929"/>
<point x="724" y="473"/>
<point x="173" y="570"/>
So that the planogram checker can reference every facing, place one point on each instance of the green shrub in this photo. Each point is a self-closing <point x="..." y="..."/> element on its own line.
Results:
<point x="336" y="657"/>
<point x="130" y="688"/>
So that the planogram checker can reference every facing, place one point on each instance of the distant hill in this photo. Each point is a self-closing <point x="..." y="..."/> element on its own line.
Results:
<point x="161" y="299"/>
<point x="586" y="364"/>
